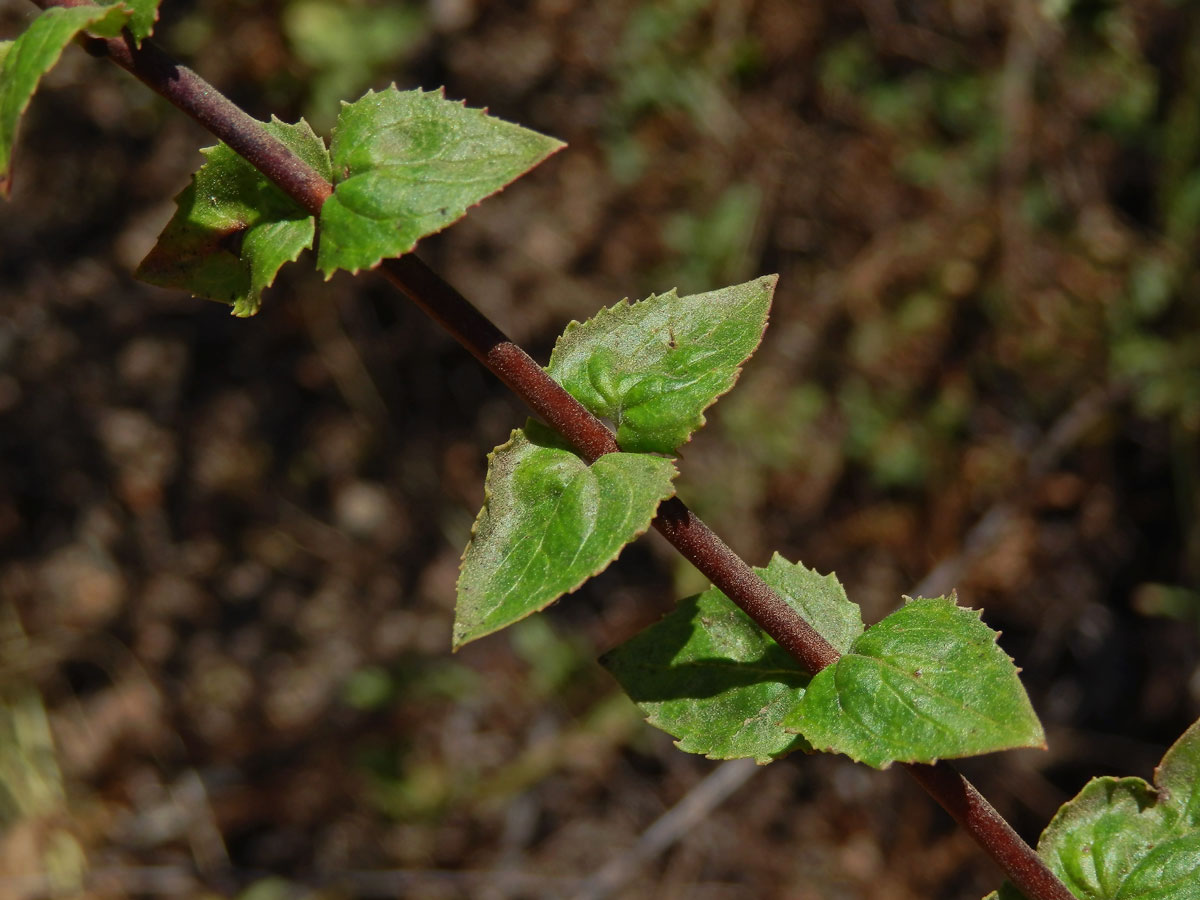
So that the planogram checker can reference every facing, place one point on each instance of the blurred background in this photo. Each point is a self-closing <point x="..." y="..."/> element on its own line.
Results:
<point x="228" y="547"/>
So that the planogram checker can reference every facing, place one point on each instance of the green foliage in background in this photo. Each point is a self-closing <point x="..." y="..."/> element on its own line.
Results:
<point x="927" y="682"/>
<point x="348" y="45"/>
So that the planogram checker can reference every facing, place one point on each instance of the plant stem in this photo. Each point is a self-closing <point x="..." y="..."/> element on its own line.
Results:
<point x="513" y="366"/>
<point x="587" y="434"/>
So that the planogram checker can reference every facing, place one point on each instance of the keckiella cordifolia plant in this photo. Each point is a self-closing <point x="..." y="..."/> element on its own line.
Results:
<point x="764" y="663"/>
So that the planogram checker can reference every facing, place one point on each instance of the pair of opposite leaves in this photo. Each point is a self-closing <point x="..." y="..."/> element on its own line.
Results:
<point x="406" y="165"/>
<point x="403" y="165"/>
<point x="926" y="683"/>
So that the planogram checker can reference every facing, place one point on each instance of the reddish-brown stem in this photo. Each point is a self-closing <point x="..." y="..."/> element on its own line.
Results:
<point x="991" y="831"/>
<point x="213" y="110"/>
<point x="512" y="365"/>
<point x="678" y="524"/>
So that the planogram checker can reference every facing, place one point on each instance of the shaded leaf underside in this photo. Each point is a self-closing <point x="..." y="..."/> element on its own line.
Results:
<point x="710" y="677"/>
<point x="233" y="229"/>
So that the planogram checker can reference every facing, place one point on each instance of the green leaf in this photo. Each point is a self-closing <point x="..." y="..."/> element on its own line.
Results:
<point x="653" y="367"/>
<point x="145" y="14"/>
<point x="233" y="229"/>
<point x="550" y="522"/>
<point x="926" y="683"/>
<point x="408" y="164"/>
<point x="1121" y="839"/>
<point x="709" y="676"/>
<point x="32" y="55"/>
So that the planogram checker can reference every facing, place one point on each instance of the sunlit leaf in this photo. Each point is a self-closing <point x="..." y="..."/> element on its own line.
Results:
<point x="406" y="165"/>
<point x="550" y="522"/>
<point x="1123" y="839"/>
<point x="651" y="368"/>
<point x="926" y="683"/>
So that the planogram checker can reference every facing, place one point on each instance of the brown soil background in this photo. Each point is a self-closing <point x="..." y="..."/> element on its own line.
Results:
<point x="228" y="547"/>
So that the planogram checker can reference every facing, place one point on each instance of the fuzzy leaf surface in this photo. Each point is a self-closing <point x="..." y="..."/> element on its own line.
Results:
<point x="408" y="164"/>
<point x="144" y="15"/>
<point x="928" y="682"/>
<point x="32" y="55"/>
<point x="549" y="523"/>
<point x="710" y="677"/>
<point x="233" y="229"/>
<point x="653" y="367"/>
<point x="1123" y="839"/>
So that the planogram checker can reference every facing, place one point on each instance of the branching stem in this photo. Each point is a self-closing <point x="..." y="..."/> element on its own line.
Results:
<point x="513" y="366"/>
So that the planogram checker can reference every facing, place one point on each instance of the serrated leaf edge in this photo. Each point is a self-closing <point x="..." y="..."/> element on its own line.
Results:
<point x="952" y="597"/>
<point x="1159" y="794"/>
<point x="440" y="92"/>
<point x="456" y="644"/>
<point x="133" y="13"/>
<point x="242" y="307"/>
<point x="801" y="745"/>
<point x="673" y="294"/>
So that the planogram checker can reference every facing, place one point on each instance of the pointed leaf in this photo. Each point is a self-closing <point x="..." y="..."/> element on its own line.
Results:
<point x="709" y="676"/>
<point x="1122" y="838"/>
<point x="550" y="522"/>
<point x="926" y="683"/>
<point x="32" y="55"/>
<point x="653" y="367"/>
<point x="233" y="229"/>
<point x="406" y="165"/>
